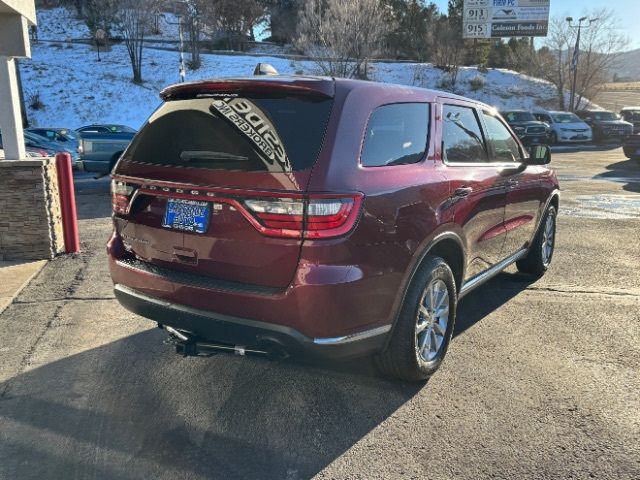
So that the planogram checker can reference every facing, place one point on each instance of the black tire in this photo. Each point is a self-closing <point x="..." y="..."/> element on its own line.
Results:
<point x="537" y="262"/>
<point x="401" y="359"/>
<point x="554" y="138"/>
<point x="629" y="152"/>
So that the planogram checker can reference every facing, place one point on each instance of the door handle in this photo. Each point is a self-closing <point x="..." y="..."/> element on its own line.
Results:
<point x="462" y="192"/>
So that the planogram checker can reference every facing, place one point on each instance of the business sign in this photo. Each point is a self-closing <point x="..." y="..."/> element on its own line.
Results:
<point x="505" y="18"/>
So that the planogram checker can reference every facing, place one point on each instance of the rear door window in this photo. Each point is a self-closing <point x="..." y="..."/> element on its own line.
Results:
<point x="462" y="140"/>
<point x="397" y="134"/>
<point x="280" y="134"/>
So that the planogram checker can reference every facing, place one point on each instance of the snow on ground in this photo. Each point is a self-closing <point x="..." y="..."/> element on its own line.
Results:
<point x="76" y="89"/>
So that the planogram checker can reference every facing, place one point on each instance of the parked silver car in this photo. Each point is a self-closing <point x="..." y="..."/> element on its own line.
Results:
<point x="565" y="127"/>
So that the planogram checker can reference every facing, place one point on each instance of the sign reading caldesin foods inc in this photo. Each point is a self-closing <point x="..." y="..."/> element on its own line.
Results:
<point x="505" y="18"/>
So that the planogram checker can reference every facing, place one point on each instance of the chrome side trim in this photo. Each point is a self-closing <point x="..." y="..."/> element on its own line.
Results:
<point x="490" y="273"/>
<point x="353" y="337"/>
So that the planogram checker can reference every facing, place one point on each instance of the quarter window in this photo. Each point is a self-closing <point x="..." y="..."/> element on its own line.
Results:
<point x="396" y="135"/>
<point x="461" y="136"/>
<point x="504" y="147"/>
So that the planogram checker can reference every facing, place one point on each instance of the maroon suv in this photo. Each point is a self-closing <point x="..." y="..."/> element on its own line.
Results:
<point x="297" y="215"/>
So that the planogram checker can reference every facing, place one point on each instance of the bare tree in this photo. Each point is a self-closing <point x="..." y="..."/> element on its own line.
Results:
<point x="448" y="51"/>
<point x="601" y="45"/>
<point x="340" y="35"/>
<point x="132" y="21"/>
<point x="196" y="12"/>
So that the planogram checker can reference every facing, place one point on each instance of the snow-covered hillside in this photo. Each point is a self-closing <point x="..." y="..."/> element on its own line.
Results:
<point x="76" y="89"/>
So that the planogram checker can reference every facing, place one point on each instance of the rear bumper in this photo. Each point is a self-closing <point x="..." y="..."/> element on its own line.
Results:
<point x="249" y="333"/>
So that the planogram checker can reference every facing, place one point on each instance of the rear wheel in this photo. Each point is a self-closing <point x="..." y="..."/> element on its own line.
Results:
<point x="424" y="327"/>
<point x="541" y="252"/>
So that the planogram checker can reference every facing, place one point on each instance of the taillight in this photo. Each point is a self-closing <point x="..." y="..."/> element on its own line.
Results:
<point x="120" y="196"/>
<point x="318" y="216"/>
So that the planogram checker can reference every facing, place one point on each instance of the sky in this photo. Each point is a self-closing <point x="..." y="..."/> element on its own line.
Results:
<point x="628" y="12"/>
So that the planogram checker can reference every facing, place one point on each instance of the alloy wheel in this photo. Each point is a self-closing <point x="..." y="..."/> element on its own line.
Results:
<point x="432" y="320"/>
<point x="548" y="239"/>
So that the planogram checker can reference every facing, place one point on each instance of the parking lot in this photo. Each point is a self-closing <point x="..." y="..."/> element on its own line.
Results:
<point x="541" y="381"/>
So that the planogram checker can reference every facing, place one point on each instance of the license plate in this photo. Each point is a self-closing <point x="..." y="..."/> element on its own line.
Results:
<point x="187" y="215"/>
<point x="535" y="140"/>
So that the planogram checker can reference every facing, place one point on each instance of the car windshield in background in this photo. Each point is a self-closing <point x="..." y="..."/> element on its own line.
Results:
<point x="606" y="116"/>
<point x="120" y="129"/>
<point x="566" y="118"/>
<point x="631" y="116"/>
<point x="68" y="134"/>
<point x="232" y="133"/>
<point x="519" y="117"/>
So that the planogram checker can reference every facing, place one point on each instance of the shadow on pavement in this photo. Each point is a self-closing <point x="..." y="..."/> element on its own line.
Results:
<point x="489" y="297"/>
<point x="626" y="170"/>
<point x="132" y="409"/>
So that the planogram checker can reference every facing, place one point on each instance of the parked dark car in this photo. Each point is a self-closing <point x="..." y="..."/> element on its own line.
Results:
<point x="631" y="115"/>
<point x="37" y="145"/>
<point x="99" y="152"/>
<point x="312" y="216"/>
<point x="529" y="130"/>
<point x="607" y="126"/>
<point x="105" y="128"/>
<point x="60" y="139"/>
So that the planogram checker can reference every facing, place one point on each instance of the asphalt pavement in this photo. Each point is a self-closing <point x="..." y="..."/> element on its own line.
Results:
<point x="541" y="381"/>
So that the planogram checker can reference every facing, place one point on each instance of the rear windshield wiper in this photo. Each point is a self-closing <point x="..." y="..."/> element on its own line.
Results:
<point x="189" y="155"/>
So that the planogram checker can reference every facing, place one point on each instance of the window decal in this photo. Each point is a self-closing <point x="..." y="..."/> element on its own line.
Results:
<point x="256" y="126"/>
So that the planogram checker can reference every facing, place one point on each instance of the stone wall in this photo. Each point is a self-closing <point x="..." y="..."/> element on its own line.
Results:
<point x="30" y="217"/>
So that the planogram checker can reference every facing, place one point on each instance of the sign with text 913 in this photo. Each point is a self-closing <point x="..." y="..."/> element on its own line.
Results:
<point x="505" y="18"/>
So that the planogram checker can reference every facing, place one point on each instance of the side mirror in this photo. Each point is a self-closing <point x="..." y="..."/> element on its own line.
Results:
<point x="538" y="155"/>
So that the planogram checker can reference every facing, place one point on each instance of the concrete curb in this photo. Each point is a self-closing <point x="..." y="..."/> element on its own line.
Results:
<point x="33" y="269"/>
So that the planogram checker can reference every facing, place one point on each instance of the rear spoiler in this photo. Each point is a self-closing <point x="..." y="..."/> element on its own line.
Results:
<point x="322" y="87"/>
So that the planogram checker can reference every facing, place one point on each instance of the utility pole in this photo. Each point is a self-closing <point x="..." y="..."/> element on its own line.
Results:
<point x="576" y="57"/>
<point x="183" y="71"/>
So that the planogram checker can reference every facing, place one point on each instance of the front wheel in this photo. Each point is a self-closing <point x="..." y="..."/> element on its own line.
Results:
<point x="424" y="327"/>
<point x="540" y="253"/>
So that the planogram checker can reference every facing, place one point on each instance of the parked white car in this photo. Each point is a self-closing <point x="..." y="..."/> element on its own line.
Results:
<point x="565" y="127"/>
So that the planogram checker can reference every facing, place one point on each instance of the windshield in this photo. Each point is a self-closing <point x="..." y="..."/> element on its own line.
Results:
<point x="566" y="118"/>
<point x="519" y="117"/>
<point x="280" y="134"/>
<point x="67" y="133"/>
<point x="120" y="129"/>
<point x="604" y="116"/>
<point x="631" y="115"/>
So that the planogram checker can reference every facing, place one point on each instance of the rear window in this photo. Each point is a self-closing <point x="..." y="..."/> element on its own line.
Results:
<point x="396" y="135"/>
<point x="280" y="134"/>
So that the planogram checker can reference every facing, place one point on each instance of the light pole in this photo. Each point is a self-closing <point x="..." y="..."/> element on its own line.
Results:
<point x="576" y="56"/>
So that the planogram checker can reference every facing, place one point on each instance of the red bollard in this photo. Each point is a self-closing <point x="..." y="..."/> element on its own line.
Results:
<point x="68" y="203"/>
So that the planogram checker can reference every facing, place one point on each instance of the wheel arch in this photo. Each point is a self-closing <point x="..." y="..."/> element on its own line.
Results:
<point x="450" y="247"/>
